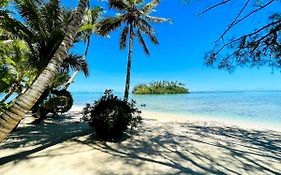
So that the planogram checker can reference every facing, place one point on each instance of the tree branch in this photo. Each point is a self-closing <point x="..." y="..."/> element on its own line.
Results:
<point x="213" y="6"/>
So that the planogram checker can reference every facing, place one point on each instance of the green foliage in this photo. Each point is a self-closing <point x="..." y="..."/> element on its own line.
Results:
<point x="14" y="67"/>
<point x="90" y="21"/>
<point x="29" y="37"/>
<point x="161" y="87"/>
<point x="15" y="72"/>
<point x="52" y="101"/>
<point x="43" y="28"/>
<point x="3" y="106"/>
<point x="58" y="101"/>
<point x="111" y="117"/>
<point x="4" y="3"/>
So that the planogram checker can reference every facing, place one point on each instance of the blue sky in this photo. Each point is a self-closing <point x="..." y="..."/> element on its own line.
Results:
<point x="179" y="55"/>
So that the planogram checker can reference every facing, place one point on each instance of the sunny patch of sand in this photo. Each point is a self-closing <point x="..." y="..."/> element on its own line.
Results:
<point x="163" y="145"/>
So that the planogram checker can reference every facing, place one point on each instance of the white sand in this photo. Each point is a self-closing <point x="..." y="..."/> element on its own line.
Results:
<point x="164" y="145"/>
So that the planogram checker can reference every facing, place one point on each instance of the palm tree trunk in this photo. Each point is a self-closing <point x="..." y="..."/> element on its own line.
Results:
<point x="128" y="75"/>
<point x="10" y="118"/>
<point x="76" y="72"/>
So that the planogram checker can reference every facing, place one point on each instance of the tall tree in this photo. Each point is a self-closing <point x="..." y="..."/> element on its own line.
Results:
<point x="24" y="102"/>
<point x="135" y="15"/>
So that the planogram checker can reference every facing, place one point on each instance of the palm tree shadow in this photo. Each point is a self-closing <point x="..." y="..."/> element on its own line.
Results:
<point x="236" y="151"/>
<point x="173" y="148"/>
<point x="41" y="136"/>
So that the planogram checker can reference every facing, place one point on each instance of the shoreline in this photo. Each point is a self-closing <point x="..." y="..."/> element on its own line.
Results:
<point x="174" y="117"/>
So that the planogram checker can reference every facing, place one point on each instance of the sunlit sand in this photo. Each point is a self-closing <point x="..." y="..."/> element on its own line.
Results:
<point x="163" y="145"/>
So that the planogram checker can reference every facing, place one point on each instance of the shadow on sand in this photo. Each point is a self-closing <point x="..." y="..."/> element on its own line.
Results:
<point x="189" y="148"/>
<point x="37" y="137"/>
<point x="163" y="148"/>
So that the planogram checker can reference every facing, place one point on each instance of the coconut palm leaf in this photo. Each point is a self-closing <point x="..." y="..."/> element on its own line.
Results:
<point x="119" y="5"/>
<point x="16" y="28"/>
<point x="54" y="16"/>
<point x="76" y="63"/>
<point x="28" y="10"/>
<point x="141" y="40"/>
<point x="146" y="27"/>
<point x="109" y="24"/>
<point x="157" y="19"/>
<point x="146" y="9"/>
<point x="124" y="37"/>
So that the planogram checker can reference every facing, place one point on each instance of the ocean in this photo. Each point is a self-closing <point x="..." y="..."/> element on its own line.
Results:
<point x="260" y="107"/>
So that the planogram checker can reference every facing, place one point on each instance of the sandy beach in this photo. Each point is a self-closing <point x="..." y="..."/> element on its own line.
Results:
<point x="164" y="144"/>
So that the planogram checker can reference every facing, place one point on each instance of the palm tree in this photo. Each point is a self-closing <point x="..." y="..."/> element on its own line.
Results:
<point x="136" y="18"/>
<point x="24" y="102"/>
<point x="42" y="39"/>
<point x="41" y="31"/>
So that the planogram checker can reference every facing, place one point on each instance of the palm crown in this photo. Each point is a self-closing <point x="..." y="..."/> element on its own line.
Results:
<point x="42" y="26"/>
<point x="135" y="15"/>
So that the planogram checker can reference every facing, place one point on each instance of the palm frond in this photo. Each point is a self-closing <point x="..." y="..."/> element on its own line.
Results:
<point x="135" y="2"/>
<point x="142" y="42"/>
<point x="49" y="45"/>
<point x="124" y="37"/>
<point x="146" y="9"/>
<point x="16" y="28"/>
<point x="107" y="25"/>
<point x="30" y="12"/>
<point x="143" y="24"/>
<point x="76" y="63"/>
<point x="150" y="35"/>
<point x="53" y="15"/>
<point x="157" y="19"/>
<point x="90" y="22"/>
<point x="96" y="13"/>
<point x="118" y="5"/>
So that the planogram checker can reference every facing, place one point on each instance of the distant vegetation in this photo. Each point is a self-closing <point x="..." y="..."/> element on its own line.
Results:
<point x="161" y="87"/>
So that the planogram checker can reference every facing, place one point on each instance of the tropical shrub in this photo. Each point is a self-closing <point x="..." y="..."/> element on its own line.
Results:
<point x="58" y="101"/>
<point x="55" y="101"/>
<point x="160" y="87"/>
<point x="111" y="117"/>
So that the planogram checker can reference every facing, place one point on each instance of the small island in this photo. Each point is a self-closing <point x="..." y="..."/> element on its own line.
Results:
<point x="160" y="87"/>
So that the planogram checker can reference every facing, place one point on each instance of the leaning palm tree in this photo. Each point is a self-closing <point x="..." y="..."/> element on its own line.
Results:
<point x="136" y="18"/>
<point x="24" y="102"/>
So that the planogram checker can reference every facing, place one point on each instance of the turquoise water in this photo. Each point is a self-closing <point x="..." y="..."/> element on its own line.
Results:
<point x="246" y="106"/>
